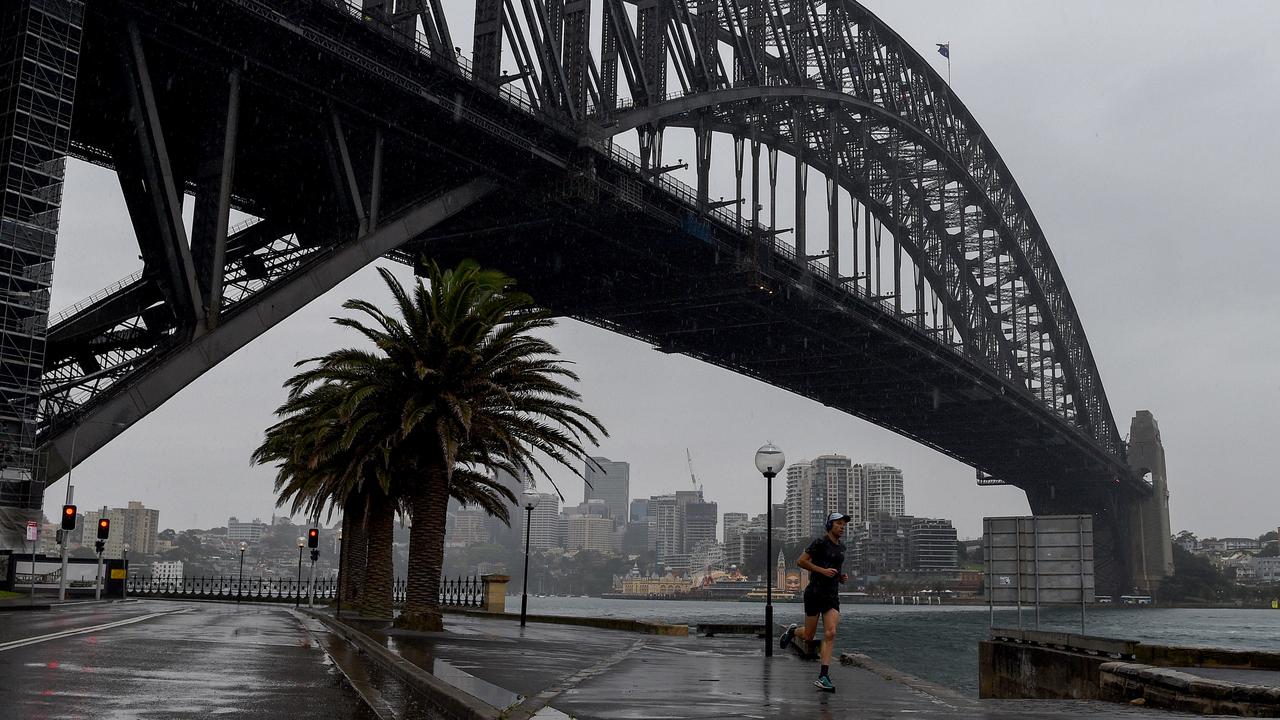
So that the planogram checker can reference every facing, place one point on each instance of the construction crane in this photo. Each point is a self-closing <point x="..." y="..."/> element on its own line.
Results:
<point x="693" y="479"/>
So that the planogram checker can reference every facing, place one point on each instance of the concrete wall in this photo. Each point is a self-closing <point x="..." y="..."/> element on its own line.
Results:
<point x="1017" y="670"/>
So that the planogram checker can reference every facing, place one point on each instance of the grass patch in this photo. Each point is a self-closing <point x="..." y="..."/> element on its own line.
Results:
<point x="6" y="595"/>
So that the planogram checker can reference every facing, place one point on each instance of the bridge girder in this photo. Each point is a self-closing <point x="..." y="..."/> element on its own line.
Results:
<point x="897" y="127"/>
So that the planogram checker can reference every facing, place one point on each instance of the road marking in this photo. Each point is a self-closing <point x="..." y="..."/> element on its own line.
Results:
<point x="532" y="707"/>
<point x="80" y="631"/>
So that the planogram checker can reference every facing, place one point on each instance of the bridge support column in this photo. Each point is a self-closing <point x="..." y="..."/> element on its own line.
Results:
<point x="1108" y="503"/>
<point x="1151" y="552"/>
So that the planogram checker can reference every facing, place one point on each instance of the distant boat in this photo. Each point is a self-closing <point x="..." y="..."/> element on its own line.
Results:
<point x="760" y="594"/>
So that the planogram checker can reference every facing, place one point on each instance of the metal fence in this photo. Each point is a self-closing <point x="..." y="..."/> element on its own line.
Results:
<point x="467" y="592"/>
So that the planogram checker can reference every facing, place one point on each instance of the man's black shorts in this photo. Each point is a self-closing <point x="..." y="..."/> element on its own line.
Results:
<point x="819" y="603"/>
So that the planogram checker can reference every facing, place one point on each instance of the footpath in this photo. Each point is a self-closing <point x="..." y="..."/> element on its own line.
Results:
<point x="485" y="668"/>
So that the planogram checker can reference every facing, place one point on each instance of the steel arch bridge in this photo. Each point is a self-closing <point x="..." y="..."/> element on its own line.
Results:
<point x="924" y="298"/>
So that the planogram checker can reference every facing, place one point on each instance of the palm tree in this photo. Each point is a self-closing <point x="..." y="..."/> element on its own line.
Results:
<point x="457" y="382"/>
<point x="322" y="467"/>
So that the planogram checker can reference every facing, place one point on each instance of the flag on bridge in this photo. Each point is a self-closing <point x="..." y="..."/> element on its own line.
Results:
<point x="944" y="49"/>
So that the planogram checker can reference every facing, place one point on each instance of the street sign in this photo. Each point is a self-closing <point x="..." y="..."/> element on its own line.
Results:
<point x="33" y="531"/>
<point x="1043" y="559"/>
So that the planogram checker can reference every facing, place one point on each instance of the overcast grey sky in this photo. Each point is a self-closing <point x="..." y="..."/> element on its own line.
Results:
<point x="1141" y="132"/>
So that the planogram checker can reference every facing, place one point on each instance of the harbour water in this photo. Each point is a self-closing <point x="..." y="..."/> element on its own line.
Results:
<point x="940" y="643"/>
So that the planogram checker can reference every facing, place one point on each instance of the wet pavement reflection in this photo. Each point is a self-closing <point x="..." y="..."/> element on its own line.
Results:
<point x="564" y="671"/>
<point x="246" y="661"/>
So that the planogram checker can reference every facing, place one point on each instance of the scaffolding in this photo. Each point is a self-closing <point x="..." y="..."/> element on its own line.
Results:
<point x="41" y="50"/>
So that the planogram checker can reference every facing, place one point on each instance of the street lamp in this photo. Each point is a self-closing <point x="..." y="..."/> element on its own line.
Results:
<point x="769" y="461"/>
<point x="71" y="464"/>
<point x="530" y="502"/>
<point x="240" y="583"/>
<point x="297" y="588"/>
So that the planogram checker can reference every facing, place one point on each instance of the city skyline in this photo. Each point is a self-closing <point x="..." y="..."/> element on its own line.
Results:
<point x="1116" y="202"/>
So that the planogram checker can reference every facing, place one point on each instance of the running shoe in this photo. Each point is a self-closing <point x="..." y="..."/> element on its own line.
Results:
<point x="785" y="641"/>
<point x="824" y="683"/>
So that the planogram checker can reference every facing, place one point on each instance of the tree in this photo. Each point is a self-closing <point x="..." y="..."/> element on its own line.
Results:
<point x="457" y="384"/>
<point x="1194" y="579"/>
<point x="323" y="463"/>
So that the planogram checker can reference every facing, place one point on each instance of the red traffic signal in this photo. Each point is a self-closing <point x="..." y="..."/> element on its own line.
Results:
<point x="68" y="517"/>
<point x="313" y="538"/>
<point x="104" y="529"/>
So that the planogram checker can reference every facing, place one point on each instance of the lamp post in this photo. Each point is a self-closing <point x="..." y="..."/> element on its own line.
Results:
<point x="240" y="583"/>
<point x="530" y="502"/>
<point x="71" y="465"/>
<point x="124" y="589"/>
<point x="769" y="461"/>
<point x="297" y="588"/>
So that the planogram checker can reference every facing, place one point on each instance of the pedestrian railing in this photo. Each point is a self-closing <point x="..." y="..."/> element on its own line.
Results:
<point x="464" y="592"/>
<point x="232" y="588"/>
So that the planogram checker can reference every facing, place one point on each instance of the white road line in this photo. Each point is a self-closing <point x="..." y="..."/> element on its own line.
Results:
<point x="80" y="631"/>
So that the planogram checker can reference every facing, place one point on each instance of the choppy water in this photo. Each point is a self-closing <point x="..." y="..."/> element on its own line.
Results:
<point x="941" y="643"/>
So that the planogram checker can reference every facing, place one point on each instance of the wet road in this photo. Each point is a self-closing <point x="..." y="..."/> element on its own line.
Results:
<point x="167" y="660"/>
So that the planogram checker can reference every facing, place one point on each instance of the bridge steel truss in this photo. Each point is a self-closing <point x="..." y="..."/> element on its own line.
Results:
<point x="351" y="131"/>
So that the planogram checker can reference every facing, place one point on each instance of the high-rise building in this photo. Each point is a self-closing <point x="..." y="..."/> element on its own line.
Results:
<point x="635" y="540"/>
<point x="933" y="544"/>
<point x="610" y="481"/>
<point x="666" y="528"/>
<point x="639" y="510"/>
<point x="468" y="526"/>
<point x="591" y="532"/>
<point x="882" y="545"/>
<point x="544" y="525"/>
<point x="135" y="526"/>
<point x="141" y="526"/>
<point x="733" y="522"/>
<point x="511" y="535"/>
<point x="884" y="493"/>
<point x="700" y="521"/>
<point x="816" y="488"/>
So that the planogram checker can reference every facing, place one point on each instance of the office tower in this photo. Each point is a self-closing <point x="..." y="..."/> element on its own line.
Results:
<point x="700" y="521"/>
<point x="591" y="532"/>
<point x="609" y="481"/>
<point x="544" y="526"/>
<point x="733" y="522"/>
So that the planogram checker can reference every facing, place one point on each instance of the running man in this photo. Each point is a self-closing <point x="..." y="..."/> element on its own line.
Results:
<point x="823" y="559"/>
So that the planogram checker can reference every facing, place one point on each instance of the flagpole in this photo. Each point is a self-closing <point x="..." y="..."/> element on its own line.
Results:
<point x="948" y="63"/>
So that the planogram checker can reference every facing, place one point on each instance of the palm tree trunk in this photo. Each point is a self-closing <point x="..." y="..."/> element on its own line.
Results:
<point x="429" y="505"/>
<point x="375" y="596"/>
<point x="352" y="561"/>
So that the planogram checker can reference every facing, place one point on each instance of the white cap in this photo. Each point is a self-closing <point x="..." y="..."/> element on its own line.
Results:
<point x="837" y="516"/>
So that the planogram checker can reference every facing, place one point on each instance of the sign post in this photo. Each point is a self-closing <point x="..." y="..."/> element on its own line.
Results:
<point x="33" y="534"/>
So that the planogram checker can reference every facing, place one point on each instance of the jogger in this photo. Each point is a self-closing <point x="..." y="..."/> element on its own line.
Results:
<point x="823" y="559"/>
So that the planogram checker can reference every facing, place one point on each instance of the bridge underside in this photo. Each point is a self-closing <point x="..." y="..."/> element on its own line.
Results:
<point x="354" y="149"/>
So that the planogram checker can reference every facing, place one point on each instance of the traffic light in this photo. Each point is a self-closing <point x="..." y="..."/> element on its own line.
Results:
<point x="99" y="546"/>
<point x="313" y="538"/>
<point x="104" y="529"/>
<point x="68" y="517"/>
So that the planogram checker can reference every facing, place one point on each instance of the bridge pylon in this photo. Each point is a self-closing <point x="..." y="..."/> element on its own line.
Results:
<point x="1152" y="547"/>
<point x="1133" y="550"/>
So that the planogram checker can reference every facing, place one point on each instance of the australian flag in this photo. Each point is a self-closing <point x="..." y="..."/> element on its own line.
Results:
<point x="944" y="49"/>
